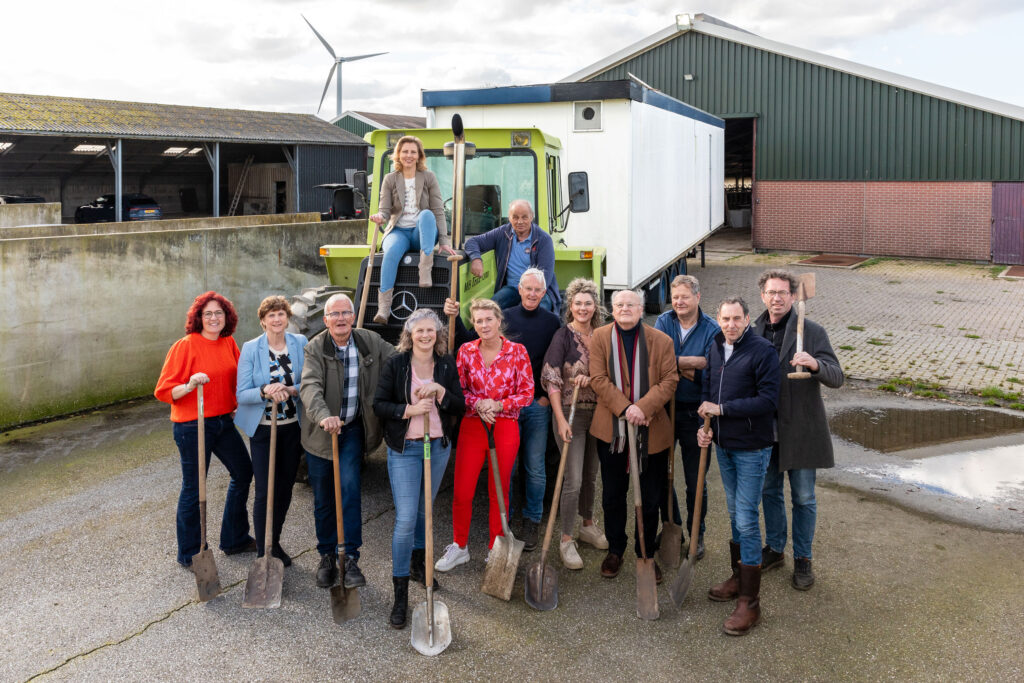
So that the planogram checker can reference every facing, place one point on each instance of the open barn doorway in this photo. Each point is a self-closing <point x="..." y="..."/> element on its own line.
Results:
<point x="740" y="135"/>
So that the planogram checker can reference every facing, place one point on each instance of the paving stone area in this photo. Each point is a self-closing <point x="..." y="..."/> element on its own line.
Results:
<point x="954" y="325"/>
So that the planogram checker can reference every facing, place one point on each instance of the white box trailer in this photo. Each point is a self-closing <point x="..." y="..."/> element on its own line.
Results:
<point x="655" y="167"/>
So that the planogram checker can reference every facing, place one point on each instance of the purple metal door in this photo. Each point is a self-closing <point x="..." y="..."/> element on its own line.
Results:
<point x="1008" y="223"/>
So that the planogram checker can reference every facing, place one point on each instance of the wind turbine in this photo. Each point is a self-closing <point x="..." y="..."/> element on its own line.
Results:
<point x="338" y="61"/>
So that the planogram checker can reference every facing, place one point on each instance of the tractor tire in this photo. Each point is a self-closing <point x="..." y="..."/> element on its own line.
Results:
<point x="308" y="309"/>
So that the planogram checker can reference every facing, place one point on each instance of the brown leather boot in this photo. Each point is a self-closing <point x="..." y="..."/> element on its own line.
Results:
<point x="383" y="307"/>
<point x="748" y="606"/>
<point x="730" y="588"/>
<point x="426" y="263"/>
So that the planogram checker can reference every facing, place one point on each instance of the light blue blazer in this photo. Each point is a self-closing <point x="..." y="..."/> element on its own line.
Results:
<point x="254" y="372"/>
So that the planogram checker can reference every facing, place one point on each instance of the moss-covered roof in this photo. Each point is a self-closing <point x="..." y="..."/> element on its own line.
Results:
<point x="48" y="115"/>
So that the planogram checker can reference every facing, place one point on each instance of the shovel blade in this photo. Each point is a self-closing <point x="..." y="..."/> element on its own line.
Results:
<point x="541" y="588"/>
<point x="263" y="586"/>
<point x="646" y="590"/>
<point x="442" y="636"/>
<point x="671" y="539"/>
<point x="344" y="603"/>
<point x="681" y="585"/>
<point x="500" y="575"/>
<point x="207" y="580"/>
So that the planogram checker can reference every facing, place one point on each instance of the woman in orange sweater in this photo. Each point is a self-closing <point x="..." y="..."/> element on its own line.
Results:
<point x="207" y="355"/>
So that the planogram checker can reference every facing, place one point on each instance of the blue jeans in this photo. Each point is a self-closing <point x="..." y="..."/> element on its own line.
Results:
<point x="401" y="240"/>
<point x="805" y="507"/>
<point x="743" y="477"/>
<point x="508" y="296"/>
<point x="534" y="423"/>
<point x="405" y="470"/>
<point x="321" y="480"/>
<point x="223" y="440"/>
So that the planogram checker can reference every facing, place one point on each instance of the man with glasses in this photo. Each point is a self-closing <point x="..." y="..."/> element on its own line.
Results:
<point x="803" y="442"/>
<point x="633" y="371"/>
<point x="339" y="378"/>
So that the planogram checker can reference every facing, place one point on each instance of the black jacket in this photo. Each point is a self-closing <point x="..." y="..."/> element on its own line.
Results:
<point x="747" y="389"/>
<point x="392" y="397"/>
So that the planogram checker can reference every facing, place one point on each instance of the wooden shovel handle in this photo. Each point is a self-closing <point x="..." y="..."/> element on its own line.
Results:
<point x="698" y="494"/>
<point x="366" y="280"/>
<point x="428" y="502"/>
<point x="201" y="454"/>
<point x="558" y="483"/>
<point x="268" y="534"/>
<point x="339" y="518"/>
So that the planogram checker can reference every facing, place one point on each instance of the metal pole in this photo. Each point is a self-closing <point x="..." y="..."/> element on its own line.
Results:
<point x="118" y="183"/>
<point x="216" y="180"/>
<point x="298" y="190"/>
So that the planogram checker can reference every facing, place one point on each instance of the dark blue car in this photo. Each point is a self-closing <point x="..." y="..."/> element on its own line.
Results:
<point x="134" y="207"/>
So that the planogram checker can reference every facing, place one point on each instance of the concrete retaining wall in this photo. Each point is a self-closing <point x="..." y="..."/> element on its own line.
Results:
<point x="160" y="225"/>
<point x="88" y="319"/>
<point x="15" y="215"/>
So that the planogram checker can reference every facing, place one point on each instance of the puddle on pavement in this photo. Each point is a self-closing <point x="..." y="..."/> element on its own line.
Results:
<point x="969" y="453"/>
<point x="888" y="430"/>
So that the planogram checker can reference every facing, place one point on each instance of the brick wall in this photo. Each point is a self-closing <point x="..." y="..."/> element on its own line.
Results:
<point x="929" y="220"/>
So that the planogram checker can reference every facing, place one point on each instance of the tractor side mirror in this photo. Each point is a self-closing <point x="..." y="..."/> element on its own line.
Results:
<point x="359" y="183"/>
<point x="579" y="192"/>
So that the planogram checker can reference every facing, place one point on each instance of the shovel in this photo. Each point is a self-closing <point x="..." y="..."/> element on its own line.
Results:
<point x="681" y="586"/>
<point x="263" y="586"/>
<point x="203" y="566"/>
<point x="671" y="533"/>
<point x="344" y="601"/>
<point x="804" y="291"/>
<point x="431" y="624"/>
<point x="369" y="274"/>
<point x="646" y="581"/>
<point x="500" y="575"/>
<point x="541" y="590"/>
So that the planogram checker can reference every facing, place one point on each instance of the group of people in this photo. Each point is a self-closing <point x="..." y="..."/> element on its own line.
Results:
<point x="513" y="378"/>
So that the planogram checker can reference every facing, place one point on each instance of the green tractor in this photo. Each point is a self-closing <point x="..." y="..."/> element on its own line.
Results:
<point x="500" y="165"/>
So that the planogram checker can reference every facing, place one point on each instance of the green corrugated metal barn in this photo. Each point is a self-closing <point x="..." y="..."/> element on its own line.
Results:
<point x="823" y="154"/>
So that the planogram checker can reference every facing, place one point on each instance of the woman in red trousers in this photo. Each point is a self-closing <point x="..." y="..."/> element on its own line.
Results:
<point x="497" y="381"/>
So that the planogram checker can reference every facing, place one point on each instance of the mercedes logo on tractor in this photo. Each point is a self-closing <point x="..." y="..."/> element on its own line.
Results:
<point x="405" y="303"/>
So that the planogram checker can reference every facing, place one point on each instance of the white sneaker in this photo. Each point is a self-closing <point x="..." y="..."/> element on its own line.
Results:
<point x="594" y="536"/>
<point x="452" y="558"/>
<point x="570" y="556"/>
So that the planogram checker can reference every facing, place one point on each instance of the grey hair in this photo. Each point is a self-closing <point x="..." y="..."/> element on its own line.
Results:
<point x="339" y="297"/>
<point x="420" y="314"/>
<point x="639" y="292"/>
<point x="523" y="202"/>
<point x="734" y="300"/>
<point x="778" y="274"/>
<point x="537" y="273"/>
<point x="688" y="281"/>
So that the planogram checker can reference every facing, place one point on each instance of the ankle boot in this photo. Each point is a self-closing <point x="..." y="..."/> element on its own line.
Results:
<point x="730" y="588"/>
<point x="426" y="263"/>
<point x="418" y="568"/>
<point x="748" y="606"/>
<point x="401" y="608"/>
<point x="383" y="307"/>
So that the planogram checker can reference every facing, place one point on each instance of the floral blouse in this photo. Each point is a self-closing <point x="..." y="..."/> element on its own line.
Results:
<point x="509" y="379"/>
<point x="568" y="357"/>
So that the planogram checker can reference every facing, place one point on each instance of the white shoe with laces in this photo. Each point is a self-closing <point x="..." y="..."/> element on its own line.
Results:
<point x="570" y="556"/>
<point x="593" y="535"/>
<point x="452" y="558"/>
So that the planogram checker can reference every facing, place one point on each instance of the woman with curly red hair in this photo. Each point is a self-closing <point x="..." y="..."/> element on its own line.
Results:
<point x="207" y="355"/>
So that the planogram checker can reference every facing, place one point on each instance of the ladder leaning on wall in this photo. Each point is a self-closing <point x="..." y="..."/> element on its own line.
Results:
<point x="241" y="185"/>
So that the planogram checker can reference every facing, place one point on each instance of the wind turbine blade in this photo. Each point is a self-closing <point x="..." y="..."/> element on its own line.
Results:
<point x="326" y="44"/>
<point x="352" y="59"/>
<point x="326" y="86"/>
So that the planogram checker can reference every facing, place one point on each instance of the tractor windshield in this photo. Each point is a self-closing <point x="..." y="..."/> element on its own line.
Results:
<point x="493" y="179"/>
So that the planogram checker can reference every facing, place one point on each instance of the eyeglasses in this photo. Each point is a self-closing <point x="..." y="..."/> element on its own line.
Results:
<point x="334" y="315"/>
<point x="772" y="293"/>
<point x="210" y="315"/>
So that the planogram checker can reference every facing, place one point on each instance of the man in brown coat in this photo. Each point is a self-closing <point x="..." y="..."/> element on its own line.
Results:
<point x="633" y="372"/>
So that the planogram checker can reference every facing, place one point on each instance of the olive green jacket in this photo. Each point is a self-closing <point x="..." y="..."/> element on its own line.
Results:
<point x="322" y="383"/>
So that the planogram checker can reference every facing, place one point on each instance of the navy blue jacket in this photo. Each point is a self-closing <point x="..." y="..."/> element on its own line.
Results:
<point x="747" y="389"/>
<point x="697" y="343"/>
<point x="500" y="240"/>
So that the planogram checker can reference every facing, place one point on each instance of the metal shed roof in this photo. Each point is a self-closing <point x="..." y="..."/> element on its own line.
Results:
<point x="708" y="25"/>
<point x="390" y="121"/>
<point x="87" y="118"/>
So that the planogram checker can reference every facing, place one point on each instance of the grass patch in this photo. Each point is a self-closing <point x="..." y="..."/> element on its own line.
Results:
<point x="990" y="367"/>
<point x="937" y="325"/>
<point x="940" y="291"/>
<point x="1016" y="406"/>
<point x="888" y="387"/>
<point x="943" y="377"/>
<point x="993" y="403"/>
<point x="876" y="260"/>
<point x="996" y="392"/>
<point x="855" y="328"/>
<point x="877" y="342"/>
<point x="994" y="271"/>
<point x="1015" y="380"/>
<point x="928" y="393"/>
<point x="847" y="347"/>
<point x="893" y="282"/>
<point x="973" y="336"/>
<point x="962" y="329"/>
<point x="888" y="334"/>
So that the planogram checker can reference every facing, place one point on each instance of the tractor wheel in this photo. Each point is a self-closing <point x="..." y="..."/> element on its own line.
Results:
<point x="308" y="309"/>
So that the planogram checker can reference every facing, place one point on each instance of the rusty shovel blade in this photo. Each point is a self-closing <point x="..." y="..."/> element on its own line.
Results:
<point x="263" y="586"/>
<point x="541" y="588"/>
<point x="671" y="539"/>
<point x="500" y="575"/>
<point x="344" y="603"/>
<point x="681" y="585"/>
<point x="646" y="590"/>
<point x="207" y="580"/>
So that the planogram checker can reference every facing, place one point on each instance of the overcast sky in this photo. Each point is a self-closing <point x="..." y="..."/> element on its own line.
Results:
<point x="259" y="54"/>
